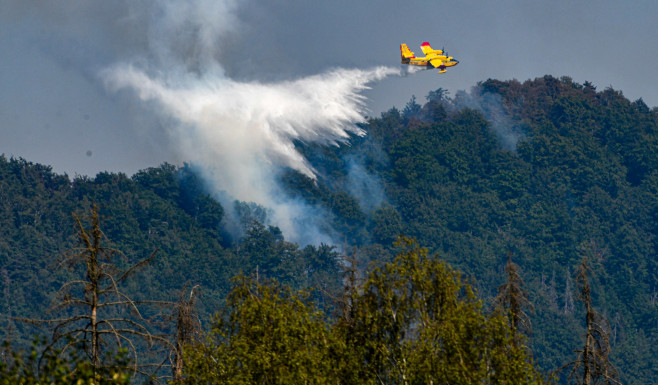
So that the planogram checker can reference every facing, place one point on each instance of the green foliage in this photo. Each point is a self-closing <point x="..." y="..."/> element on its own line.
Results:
<point x="415" y="321"/>
<point x="385" y="225"/>
<point x="56" y="369"/>
<point x="580" y="165"/>
<point x="581" y="168"/>
<point x="164" y="208"/>
<point x="268" y="335"/>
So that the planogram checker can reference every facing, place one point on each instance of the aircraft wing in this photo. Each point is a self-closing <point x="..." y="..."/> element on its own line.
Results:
<point x="426" y="48"/>
<point x="437" y="62"/>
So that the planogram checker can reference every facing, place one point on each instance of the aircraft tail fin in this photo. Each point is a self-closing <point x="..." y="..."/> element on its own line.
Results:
<point x="405" y="53"/>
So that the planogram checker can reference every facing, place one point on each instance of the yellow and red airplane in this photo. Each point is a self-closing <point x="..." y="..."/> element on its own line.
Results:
<point x="434" y="58"/>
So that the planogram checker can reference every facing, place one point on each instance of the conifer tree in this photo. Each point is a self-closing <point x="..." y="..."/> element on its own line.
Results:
<point x="93" y="306"/>
<point x="593" y="366"/>
<point x="513" y="299"/>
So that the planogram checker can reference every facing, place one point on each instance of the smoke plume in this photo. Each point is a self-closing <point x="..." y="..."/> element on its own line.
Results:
<point x="242" y="133"/>
<point x="508" y="132"/>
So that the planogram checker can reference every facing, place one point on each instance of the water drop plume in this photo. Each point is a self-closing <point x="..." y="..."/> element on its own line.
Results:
<point x="243" y="133"/>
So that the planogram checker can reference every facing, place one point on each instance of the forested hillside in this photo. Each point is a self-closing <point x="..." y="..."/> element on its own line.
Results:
<point x="163" y="210"/>
<point x="546" y="171"/>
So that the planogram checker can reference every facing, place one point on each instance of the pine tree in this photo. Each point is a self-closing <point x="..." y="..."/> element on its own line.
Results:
<point x="593" y="364"/>
<point x="93" y="306"/>
<point x="513" y="299"/>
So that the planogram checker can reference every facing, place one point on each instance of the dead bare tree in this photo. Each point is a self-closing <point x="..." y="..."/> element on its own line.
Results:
<point x="513" y="299"/>
<point x="568" y="296"/>
<point x="593" y="364"/>
<point x="352" y="281"/>
<point x="188" y="330"/>
<point x="94" y="306"/>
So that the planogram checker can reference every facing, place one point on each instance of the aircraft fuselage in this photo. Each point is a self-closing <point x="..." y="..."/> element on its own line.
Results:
<point x="433" y="58"/>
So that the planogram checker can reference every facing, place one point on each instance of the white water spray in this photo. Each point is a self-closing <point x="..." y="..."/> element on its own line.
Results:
<point x="243" y="133"/>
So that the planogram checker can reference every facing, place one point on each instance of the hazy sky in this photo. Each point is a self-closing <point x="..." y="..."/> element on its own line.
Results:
<point x="56" y="109"/>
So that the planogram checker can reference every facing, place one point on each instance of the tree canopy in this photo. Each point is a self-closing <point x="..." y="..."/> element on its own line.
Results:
<point x="535" y="168"/>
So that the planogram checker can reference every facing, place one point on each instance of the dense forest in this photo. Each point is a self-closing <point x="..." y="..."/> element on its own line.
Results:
<point x="547" y="173"/>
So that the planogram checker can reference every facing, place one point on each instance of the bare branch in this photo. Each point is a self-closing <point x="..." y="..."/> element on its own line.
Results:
<point x="139" y="264"/>
<point x="98" y="289"/>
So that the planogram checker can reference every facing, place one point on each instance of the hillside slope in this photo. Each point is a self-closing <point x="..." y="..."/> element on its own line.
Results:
<point x="544" y="170"/>
<point x="164" y="209"/>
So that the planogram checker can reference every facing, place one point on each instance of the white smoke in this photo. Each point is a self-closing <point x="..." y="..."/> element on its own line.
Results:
<point x="367" y="188"/>
<point x="491" y="105"/>
<point x="242" y="133"/>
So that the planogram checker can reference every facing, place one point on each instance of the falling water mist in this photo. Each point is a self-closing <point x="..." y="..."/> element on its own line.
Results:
<point x="242" y="133"/>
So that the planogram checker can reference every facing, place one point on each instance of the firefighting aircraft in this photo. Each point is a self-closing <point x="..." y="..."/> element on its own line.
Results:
<point x="434" y="58"/>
